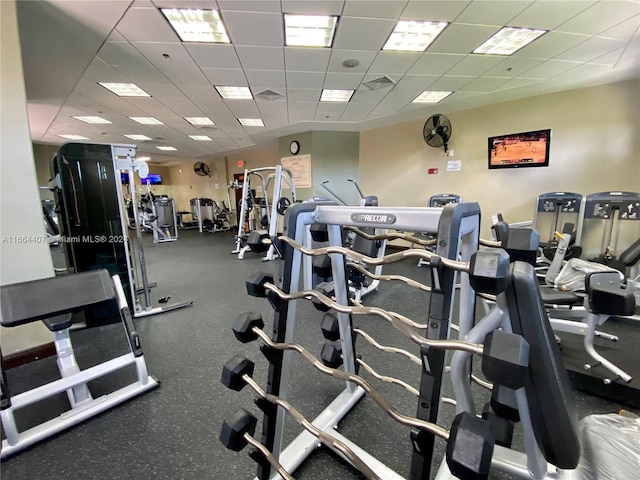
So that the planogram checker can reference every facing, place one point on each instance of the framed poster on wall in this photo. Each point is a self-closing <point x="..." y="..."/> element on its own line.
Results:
<point x="300" y="167"/>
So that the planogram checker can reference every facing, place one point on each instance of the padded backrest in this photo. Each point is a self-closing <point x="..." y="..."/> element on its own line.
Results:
<point x="39" y="299"/>
<point x="548" y="390"/>
<point x="631" y="255"/>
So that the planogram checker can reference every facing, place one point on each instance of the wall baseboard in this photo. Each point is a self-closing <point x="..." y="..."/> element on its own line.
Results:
<point x="28" y="355"/>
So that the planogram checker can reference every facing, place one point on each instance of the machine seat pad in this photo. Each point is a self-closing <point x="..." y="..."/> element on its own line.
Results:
<point x="548" y="390"/>
<point x="553" y="296"/>
<point x="631" y="255"/>
<point x="609" y="297"/>
<point x="27" y="302"/>
<point x="59" y="322"/>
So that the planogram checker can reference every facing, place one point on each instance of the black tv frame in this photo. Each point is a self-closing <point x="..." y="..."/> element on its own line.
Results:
<point x="520" y="138"/>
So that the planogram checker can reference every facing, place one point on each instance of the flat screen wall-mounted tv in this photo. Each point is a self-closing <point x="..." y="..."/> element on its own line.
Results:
<point x="518" y="150"/>
<point x="152" y="179"/>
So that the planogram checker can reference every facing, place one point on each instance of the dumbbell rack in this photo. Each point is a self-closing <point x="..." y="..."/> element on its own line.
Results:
<point x="457" y="227"/>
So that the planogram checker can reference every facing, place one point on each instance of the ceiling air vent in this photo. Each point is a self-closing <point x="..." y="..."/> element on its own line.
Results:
<point x="269" y="95"/>
<point x="379" y="83"/>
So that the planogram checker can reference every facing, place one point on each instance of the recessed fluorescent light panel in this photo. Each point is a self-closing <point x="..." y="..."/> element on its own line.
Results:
<point x="309" y="30"/>
<point x="167" y="149"/>
<point x="199" y="120"/>
<point x="431" y="97"/>
<point x="235" y="93"/>
<point x="251" y="122"/>
<point x="509" y="40"/>
<point x="200" y="138"/>
<point x="138" y="137"/>
<point x="410" y="36"/>
<point x="147" y="120"/>
<point x="125" y="89"/>
<point x="74" y="137"/>
<point x="336" y="95"/>
<point x="92" y="119"/>
<point x="197" y="25"/>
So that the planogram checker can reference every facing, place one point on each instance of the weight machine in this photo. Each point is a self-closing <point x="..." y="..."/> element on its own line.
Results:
<point x="266" y="214"/>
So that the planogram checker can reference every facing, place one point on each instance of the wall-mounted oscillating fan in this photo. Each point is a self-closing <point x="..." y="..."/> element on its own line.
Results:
<point x="202" y="169"/>
<point x="437" y="131"/>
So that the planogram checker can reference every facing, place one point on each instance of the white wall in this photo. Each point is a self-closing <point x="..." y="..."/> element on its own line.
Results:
<point x="595" y="147"/>
<point x="24" y="253"/>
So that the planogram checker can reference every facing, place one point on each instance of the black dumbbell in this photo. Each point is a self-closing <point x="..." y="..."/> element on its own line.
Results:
<point x="503" y="402"/>
<point x="488" y="271"/>
<point x="501" y="427"/>
<point x="470" y="447"/>
<point x="235" y="430"/>
<point x="322" y="266"/>
<point x="319" y="233"/>
<point x="330" y="327"/>
<point x="327" y="289"/>
<point x="505" y="359"/>
<point x="234" y="369"/>
<point x="331" y="355"/>
<point x="522" y="245"/>
<point x="255" y="286"/>
<point x="243" y="326"/>
<point x="258" y="241"/>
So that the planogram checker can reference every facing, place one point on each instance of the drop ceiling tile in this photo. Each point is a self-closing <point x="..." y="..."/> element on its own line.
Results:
<point x="328" y="112"/>
<point x="362" y="33"/>
<point x="610" y="59"/>
<point x="513" y="66"/>
<point x="306" y="59"/>
<point x="313" y="7"/>
<point x="590" y="49"/>
<point x="225" y="76"/>
<point x="450" y="83"/>
<point x="155" y="53"/>
<point x="549" y="69"/>
<point x="377" y="9"/>
<point x="461" y="38"/>
<point x="342" y="81"/>
<point x="304" y="80"/>
<point x="548" y="15"/>
<point x="261" y="58"/>
<point x="211" y="55"/>
<point x="142" y="76"/>
<point x="389" y="106"/>
<point x="624" y="30"/>
<point x="297" y="116"/>
<point x="550" y="44"/>
<point x="584" y="71"/>
<point x="296" y="95"/>
<point x="266" y="79"/>
<point x="435" y="63"/>
<point x="100" y="72"/>
<point x="475" y="65"/>
<point x="250" y="5"/>
<point x="357" y="112"/>
<point x="272" y="109"/>
<point x="394" y="62"/>
<point x="255" y="29"/>
<point x="437" y="11"/>
<point x="338" y="56"/>
<point x="186" y="77"/>
<point x="146" y="25"/>
<point x="492" y="12"/>
<point x="516" y="83"/>
<point x="483" y="84"/>
<point x="243" y="108"/>
<point x="365" y="95"/>
<point x="600" y="17"/>
<point x="122" y="53"/>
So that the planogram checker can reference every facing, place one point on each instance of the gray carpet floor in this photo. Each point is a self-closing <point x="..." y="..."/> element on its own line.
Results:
<point x="172" y="432"/>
